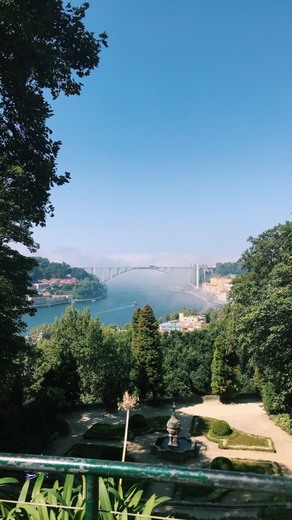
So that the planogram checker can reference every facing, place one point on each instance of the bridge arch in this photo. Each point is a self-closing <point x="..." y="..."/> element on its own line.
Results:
<point x="107" y="273"/>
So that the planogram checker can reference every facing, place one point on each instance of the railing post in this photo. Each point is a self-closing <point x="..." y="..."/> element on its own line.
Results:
<point x="92" y="498"/>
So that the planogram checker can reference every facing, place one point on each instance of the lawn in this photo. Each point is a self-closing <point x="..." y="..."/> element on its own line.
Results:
<point x="236" y="440"/>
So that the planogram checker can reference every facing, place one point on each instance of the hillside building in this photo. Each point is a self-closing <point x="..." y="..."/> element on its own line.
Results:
<point x="183" y="324"/>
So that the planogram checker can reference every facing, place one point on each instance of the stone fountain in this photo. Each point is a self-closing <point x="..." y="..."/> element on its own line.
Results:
<point x="172" y="446"/>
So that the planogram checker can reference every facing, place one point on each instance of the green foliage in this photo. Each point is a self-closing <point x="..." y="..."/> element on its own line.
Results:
<point x="221" y="428"/>
<point x="187" y="362"/>
<point x="69" y="361"/>
<point x="4" y="507"/>
<point x="115" y="504"/>
<point x="262" y="467"/>
<point x="262" y="301"/>
<point x="28" y="429"/>
<point x="87" y="286"/>
<point x="141" y="425"/>
<point x="235" y="440"/>
<point x="40" y="502"/>
<point x="224" y="367"/>
<point x="137" y="421"/>
<point x="228" y="268"/>
<point x="273" y="402"/>
<point x="51" y="503"/>
<point x="45" y="49"/>
<point x="199" y="426"/>
<point x="284" y="421"/>
<point x="222" y="463"/>
<point x="105" y="431"/>
<point x="14" y="282"/>
<point x="146" y="353"/>
<point x="46" y="270"/>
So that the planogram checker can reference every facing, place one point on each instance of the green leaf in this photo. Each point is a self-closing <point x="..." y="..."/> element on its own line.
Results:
<point x="37" y="485"/>
<point x="8" y="480"/>
<point x="23" y="492"/>
<point x="105" y="505"/>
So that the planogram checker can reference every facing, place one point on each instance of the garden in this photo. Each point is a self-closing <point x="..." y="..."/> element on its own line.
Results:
<point x="226" y="437"/>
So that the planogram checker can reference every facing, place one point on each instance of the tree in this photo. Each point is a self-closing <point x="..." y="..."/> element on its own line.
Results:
<point x="187" y="361"/>
<point x="77" y="360"/>
<point x="44" y="46"/>
<point x="176" y="367"/>
<point x="147" y="355"/>
<point x="89" y="287"/>
<point x="224" y="368"/>
<point x="261" y="310"/>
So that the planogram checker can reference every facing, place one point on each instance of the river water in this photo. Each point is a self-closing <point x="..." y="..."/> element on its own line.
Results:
<point x="125" y="294"/>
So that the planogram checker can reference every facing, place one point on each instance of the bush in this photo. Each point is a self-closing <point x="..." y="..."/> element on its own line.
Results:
<point x="221" y="428"/>
<point x="222" y="463"/>
<point x="284" y="421"/>
<point x="273" y="402"/>
<point x="137" y="422"/>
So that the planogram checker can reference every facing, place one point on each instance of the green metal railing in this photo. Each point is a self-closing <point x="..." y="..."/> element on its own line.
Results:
<point x="93" y="468"/>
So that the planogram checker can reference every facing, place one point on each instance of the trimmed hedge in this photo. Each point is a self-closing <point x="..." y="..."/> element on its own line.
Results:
<point x="222" y="463"/>
<point x="137" y="422"/>
<point x="221" y="428"/>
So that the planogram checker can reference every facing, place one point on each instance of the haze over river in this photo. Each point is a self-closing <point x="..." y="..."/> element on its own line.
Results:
<point x="126" y="293"/>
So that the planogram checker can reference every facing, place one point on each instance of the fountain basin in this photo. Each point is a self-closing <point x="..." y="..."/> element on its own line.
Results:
<point x="185" y="449"/>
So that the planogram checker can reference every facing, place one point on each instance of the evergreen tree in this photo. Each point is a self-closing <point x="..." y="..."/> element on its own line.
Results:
<point x="147" y="355"/>
<point x="225" y="367"/>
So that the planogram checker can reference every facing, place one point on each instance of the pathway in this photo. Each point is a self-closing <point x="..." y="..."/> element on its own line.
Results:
<point x="249" y="417"/>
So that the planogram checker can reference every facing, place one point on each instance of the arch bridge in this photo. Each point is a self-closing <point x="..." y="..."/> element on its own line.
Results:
<point x="191" y="274"/>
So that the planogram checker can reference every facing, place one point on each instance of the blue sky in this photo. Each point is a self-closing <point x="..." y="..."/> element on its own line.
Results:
<point x="179" y="146"/>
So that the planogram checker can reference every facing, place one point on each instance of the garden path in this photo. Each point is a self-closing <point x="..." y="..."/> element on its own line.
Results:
<point x="248" y="416"/>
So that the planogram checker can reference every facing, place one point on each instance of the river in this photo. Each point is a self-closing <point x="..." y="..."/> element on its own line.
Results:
<point x="125" y="294"/>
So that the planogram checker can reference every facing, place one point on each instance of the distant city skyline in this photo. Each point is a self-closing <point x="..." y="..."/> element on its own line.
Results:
<point x="179" y="146"/>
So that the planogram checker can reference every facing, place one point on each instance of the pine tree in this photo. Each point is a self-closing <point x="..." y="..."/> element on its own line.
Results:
<point x="147" y="355"/>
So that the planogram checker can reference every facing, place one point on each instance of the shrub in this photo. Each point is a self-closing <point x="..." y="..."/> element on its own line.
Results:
<point x="137" y="422"/>
<point x="222" y="463"/>
<point x="199" y="425"/>
<point x="221" y="428"/>
<point x="105" y="430"/>
<point x="273" y="402"/>
<point x="284" y="421"/>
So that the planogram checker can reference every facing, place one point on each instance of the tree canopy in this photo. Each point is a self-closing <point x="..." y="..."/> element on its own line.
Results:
<point x="146" y="352"/>
<point x="44" y="46"/>
<point x="262" y="310"/>
<point x="44" y="50"/>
